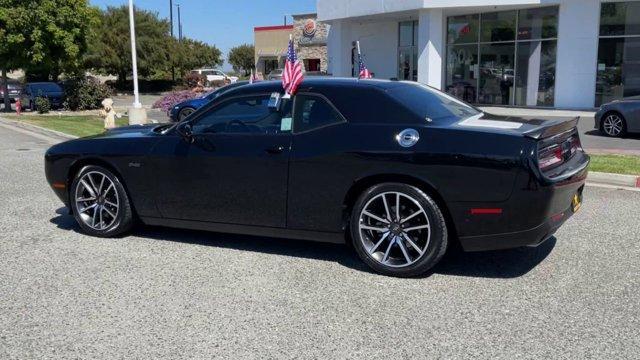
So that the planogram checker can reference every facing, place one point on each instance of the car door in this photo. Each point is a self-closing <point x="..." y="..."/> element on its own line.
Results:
<point x="235" y="169"/>
<point x="321" y="166"/>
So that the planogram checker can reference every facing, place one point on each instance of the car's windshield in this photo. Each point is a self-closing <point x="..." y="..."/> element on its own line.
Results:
<point x="431" y="104"/>
<point x="47" y="87"/>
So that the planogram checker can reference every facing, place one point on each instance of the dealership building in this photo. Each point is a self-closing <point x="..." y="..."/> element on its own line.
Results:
<point x="546" y="53"/>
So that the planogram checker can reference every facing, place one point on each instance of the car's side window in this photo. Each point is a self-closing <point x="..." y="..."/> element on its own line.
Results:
<point x="312" y="112"/>
<point x="249" y="115"/>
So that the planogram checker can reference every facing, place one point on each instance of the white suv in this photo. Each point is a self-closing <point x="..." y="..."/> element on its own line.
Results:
<point x="215" y="76"/>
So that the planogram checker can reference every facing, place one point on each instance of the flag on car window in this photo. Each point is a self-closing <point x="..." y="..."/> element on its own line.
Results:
<point x="292" y="75"/>
<point x="364" y="72"/>
<point x="254" y="77"/>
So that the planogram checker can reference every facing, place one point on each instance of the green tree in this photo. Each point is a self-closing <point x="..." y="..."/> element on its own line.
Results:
<point x="110" y="46"/>
<point x="44" y="36"/>
<point x="242" y="58"/>
<point x="192" y="54"/>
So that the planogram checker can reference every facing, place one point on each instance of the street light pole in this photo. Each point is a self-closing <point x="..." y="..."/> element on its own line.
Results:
<point x="134" y="57"/>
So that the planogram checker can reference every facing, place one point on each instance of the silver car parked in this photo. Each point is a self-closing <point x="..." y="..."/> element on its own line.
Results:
<point x="618" y="118"/>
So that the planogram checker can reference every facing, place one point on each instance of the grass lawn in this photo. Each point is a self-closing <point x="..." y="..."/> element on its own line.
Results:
<point x="81" y="125"/>
<point x="619" y="164"/>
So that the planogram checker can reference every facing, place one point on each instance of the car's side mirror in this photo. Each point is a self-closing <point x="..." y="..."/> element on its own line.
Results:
<point x="185" y="131"/>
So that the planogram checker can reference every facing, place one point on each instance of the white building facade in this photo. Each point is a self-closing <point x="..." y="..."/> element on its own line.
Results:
<point x="545" y="53"/>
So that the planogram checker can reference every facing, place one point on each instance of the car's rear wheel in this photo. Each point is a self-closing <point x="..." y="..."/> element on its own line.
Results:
<point x="185" y="112"/>
<point x="614" y="125"/>
<point x="99" y="202"/>
<point x="398" y="230"/>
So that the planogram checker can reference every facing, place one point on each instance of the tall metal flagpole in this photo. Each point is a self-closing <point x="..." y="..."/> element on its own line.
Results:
<point x="134" y="57"/>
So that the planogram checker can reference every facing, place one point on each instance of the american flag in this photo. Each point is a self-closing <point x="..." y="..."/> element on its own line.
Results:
<point x="292" y="75"/>
<point x="254" y="77"/>
<point x="364" y="72"/>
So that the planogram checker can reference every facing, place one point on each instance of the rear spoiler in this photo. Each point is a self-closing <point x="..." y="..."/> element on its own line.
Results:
<point x="552" y="128"/>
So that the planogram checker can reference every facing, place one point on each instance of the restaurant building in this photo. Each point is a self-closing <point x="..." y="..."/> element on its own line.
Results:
<point x="545" y="53"/>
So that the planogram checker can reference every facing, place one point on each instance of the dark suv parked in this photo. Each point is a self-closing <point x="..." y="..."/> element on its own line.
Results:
<point x="49" y="90"/>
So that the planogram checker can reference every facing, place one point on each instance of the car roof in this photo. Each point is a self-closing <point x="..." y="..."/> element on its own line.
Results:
<point x="319" y="83"/>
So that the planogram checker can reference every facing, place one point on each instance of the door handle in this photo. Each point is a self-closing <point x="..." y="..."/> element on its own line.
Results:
<point x="275" y="150"/>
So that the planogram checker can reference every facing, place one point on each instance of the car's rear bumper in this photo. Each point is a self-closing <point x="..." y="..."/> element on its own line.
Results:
<point x="530" y="237"/>
<point x="534" y="213"/>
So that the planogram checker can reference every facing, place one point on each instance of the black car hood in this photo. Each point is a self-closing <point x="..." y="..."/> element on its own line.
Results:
<point x="131" y="131"/>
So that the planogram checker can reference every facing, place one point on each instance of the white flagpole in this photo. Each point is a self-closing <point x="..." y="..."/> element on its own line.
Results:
<point x="134" y="57"/>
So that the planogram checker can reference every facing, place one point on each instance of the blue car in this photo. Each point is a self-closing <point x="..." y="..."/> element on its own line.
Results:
<point x="180" y="111"/>
<point x="49" y="90"/>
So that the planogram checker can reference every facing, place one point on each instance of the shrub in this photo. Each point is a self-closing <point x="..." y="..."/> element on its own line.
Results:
<point x="170" y="100"/>
<point x="85" y="94"/>
<point x="191" y="80"/>
<point x="43" y="105"/>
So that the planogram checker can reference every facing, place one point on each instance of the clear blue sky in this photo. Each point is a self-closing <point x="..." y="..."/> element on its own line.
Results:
<point x="224" y="23"/>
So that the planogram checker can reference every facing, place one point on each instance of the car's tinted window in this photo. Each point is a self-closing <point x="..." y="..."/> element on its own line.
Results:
<point x="312" y="112"/>
<point x="430" y="103"/>
<point x="368" y="105"/>
<point x="249" y="114"/>
<point x="49" y="87"/>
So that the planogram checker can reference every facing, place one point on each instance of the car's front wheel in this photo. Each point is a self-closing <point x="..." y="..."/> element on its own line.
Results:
<point x="99" y="202"/>
<point x="398" y="230"/>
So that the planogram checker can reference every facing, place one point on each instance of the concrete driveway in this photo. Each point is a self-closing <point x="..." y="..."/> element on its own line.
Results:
<point x="169" y="294"/>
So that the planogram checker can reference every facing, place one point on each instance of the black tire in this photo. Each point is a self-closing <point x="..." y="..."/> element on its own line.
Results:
<point x="434" y="244"/>
<point x="622" y="132"/>
<point x="185" y="112"/>
<point x="108" y="226"/>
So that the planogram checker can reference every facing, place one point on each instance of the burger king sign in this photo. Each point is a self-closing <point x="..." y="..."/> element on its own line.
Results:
<point x="309" y="28"/>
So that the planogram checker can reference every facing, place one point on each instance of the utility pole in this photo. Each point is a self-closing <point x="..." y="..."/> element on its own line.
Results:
<point x="173" y="69"/>
<point x="179" y="25"/>
<point x="171" y="15"/>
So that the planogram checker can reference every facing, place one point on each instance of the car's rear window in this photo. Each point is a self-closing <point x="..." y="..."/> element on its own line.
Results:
<point x="46" y="87"/>
<point x="430" y="103"/>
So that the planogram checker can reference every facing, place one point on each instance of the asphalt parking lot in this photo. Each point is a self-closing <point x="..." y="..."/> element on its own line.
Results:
<point x="162" y="293"/>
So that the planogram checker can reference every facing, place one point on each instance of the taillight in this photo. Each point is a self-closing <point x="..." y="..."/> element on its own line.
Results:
<point x="555" y="154"/>
<point x="550" y="157"/>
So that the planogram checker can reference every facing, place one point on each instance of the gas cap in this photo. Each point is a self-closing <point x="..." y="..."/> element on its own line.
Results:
<point x="408" y="137"/>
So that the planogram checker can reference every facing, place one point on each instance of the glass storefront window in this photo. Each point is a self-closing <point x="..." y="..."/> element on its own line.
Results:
<point x="536" y="78"/>
<point x="496" y="74"/>
<point x="540" y="23"/>
<point x="620" y="18"/>
<point x="406" y="33"/>
<point x="618" y="69"/>
<point x="408" y="51"/>
<point x="498" y="26"/>
<point x="462" y="72"/>
<point x="508" y="57"/>
<point x="462" y="29"/>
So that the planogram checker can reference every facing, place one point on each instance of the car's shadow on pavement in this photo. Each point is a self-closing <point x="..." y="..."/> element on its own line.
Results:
<point x="493" y="264"/>
<point x="599" y="134"/>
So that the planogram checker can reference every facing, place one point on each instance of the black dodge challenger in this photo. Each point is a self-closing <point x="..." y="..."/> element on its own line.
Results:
<point x="398" y="169"/>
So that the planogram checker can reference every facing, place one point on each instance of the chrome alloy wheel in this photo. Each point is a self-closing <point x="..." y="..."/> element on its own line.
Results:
<point x="394" y="229"/>
<point x="96" y="200"/>
<point x="613" y="125"/>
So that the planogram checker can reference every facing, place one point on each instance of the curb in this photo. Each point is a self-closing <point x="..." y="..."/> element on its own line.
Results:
<point x="631" y="181"/>
<point x="37" y="129"/>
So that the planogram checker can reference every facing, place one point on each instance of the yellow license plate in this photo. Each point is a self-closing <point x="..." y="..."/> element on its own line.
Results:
<point x="576" y="203"/>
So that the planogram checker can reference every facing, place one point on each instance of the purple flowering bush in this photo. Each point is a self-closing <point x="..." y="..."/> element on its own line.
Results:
<point x="170" y="100"/>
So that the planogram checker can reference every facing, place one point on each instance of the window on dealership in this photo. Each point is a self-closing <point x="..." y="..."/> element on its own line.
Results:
<point x="618" y="52"/>
<point x="505" y="58"/>
<point x="408" y="51"/>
